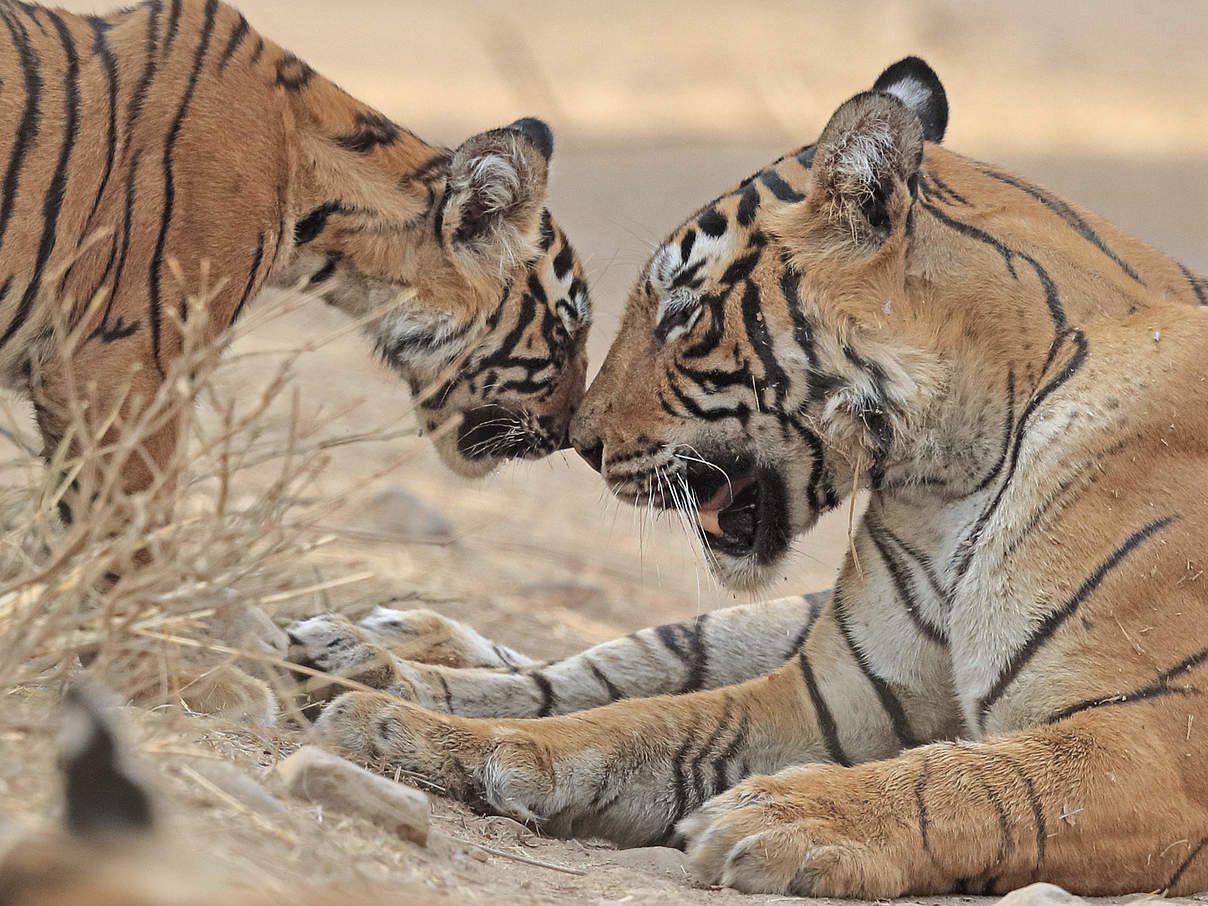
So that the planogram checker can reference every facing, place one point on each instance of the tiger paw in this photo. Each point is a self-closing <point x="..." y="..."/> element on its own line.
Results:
<point x="498" y="771"/>
<point x="332" y="644"/>
<point x="795" y="833"/>
<point x="426" y="637"/>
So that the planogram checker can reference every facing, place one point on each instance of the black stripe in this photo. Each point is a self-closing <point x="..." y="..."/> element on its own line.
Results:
<point x="154" y="301"/>
<point x="922" y="560"/>
<point x="100" y="47"/>
<point x="238" y="35"/>
<point x="1051" y="623"/>
<point x="826" y="721"/>
<point x="972" y="232"/>
<point x="1008" y="423"/>
<point x="448" y="693"/>
<point x="947" y="189"/>
<point x="614" y="694"/>
<point x="311" y="224"/>
<point x="1042" y="831"/>
<point x="369" y="131"/>
<point x="695" y="769"/>
<point x="902" y="581"/>
<point x="889" y="701"/>
<point x="258" y="52"/>
<point x="52" y="201"/>
<point x="1182" y="869"/>
<point x="817" y="600"/>
<point x="920" y="784"/>
<point x="257" y="260"/>
<point x="1066" y="213"/>
<point x="693" y="656"/>
<point x="680" y="773"/>
<point x="781" y="189"/>
<point x="1156" y="689"/>
<point x="27" y="129"/>
<point x="173" y="26"/>
<point x="721" y="764"/>
<point x="1199" y="286"/>
<point x="541" y="681"/>
<point x="968" y="547"/>
<point x="139" y="96"/>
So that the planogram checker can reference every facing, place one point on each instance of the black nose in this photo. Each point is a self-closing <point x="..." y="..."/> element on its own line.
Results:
<point x="593" y="455"/>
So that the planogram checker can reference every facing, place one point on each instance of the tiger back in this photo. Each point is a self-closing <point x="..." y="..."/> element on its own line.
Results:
<point x="169" y="153"/>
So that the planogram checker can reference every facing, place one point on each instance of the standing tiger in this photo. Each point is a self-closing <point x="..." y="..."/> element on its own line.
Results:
<point x="169" y="150"/>
<point x="1007" y="682"/>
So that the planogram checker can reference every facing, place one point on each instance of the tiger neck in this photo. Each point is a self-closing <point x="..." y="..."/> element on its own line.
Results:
<point x="345" y="154"/>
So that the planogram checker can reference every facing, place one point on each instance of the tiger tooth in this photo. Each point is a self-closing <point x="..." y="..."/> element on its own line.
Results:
<point x="707" y="520"/>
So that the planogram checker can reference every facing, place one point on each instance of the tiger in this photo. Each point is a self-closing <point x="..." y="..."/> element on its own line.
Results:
<point x="168" y="153"/>
<point x="1005" y="684"/>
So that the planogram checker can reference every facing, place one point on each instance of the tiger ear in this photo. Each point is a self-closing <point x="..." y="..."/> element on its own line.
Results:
<point x="915" y="83"/>
<point x="102" y="797"/>
<point x="865" y="171"/>
<point x="497" y="185"/>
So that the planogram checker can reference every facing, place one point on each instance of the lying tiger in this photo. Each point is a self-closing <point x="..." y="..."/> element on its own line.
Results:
<point x="1006" y="683"/>
<point x="169" y="150"/>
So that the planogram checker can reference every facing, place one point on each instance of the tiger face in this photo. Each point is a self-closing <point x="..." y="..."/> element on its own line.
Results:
<point x="786" y="342"/>
<point x="513" y="394"/>
<point x="469" y="290"/>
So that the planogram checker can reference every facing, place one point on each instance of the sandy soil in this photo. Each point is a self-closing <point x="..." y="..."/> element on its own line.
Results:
<point x="658" y="107"/>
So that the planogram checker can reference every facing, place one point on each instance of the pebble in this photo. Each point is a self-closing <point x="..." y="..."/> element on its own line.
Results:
<point x="318" y="776"/>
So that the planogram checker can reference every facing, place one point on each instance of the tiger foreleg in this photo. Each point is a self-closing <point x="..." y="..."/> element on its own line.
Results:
<point x="717" y="649"/>
<point x="1094" y="806"/>
<point x="631" y="770"/>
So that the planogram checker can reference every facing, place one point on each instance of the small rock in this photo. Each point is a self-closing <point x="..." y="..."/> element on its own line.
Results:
<point x="1041" y="895"/>
<point x="318" y="776"/>
<point x="396" y="514"/>
<point x="659" y="860"/>
<point x="239" y="786"/>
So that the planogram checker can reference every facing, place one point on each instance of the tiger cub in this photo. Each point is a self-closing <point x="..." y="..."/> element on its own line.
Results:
<point x="168" y="151"/>
<point x="1007" y="682"/>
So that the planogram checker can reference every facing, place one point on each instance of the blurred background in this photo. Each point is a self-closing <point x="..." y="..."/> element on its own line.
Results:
<point x="657" y="106"/>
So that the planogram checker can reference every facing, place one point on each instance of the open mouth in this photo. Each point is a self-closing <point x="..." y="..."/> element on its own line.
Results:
<point x="741" y="509"/>
<point x="495" y="432"/>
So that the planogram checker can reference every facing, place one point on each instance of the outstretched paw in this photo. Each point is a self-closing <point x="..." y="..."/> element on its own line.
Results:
<point x="792" y="833"/>
<point x="496" y="770"/>
<point x="426" y="637"/>
<point x="332" y="644"/>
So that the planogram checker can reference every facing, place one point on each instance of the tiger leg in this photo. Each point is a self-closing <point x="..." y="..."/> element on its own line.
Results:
<point x="715" y="649"/>
<point x="631" y="770"/>
<point x="122" y="453"/>
<point x="1095" y="804"/>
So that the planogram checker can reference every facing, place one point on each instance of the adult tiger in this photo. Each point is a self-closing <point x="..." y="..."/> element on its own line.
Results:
<point x="1022" y="389"/>
<point x="169" y="149"/>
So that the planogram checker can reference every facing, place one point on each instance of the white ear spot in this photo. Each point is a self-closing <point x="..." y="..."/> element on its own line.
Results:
<point x="914" y="94"/>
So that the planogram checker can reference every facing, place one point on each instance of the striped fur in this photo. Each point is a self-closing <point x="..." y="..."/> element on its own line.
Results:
<point x="1022" y="389"/>
<point x="169" y="151"/>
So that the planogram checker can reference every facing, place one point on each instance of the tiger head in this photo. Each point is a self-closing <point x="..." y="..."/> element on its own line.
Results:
<point x="791" y="339"/>
<point x="469" y="289"/>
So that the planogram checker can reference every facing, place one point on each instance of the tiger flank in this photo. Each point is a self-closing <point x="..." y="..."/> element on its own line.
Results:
<point x="169" y="151"/>
<point x="1005" y="685"/>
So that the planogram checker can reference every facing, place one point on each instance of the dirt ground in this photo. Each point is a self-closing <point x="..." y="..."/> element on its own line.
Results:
<point x="657" y="107"/>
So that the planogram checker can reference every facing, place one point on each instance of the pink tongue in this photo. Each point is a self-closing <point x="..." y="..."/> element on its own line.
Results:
<point x="725" y="495"/>
<point x="707" y="512"/>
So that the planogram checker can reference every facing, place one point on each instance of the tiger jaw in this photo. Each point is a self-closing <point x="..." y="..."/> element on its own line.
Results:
<point x="739" y="510"/>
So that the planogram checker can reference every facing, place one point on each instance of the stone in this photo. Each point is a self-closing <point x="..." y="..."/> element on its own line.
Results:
<point x="395" y="514"/>
<point x="1041" y="895"/>
<point x="239" y="786"/>
<point x="318" y="776"/>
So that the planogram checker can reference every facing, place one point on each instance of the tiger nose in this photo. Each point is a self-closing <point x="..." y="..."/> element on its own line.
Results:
<point x="593" y="453"/>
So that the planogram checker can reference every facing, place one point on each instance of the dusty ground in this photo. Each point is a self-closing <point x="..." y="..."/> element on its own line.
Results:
<point x="658" y="106"/>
